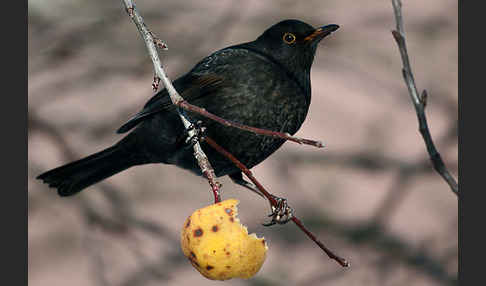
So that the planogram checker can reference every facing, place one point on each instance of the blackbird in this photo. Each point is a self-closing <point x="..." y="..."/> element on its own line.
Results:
<point x="264" y="83"/>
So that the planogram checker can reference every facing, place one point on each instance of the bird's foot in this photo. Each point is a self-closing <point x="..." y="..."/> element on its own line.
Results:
<point x="199" y="131"/>
<point x="281" y="213"/>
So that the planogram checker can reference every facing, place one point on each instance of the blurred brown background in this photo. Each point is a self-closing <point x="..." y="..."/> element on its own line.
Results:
<point x="371" y="195"/>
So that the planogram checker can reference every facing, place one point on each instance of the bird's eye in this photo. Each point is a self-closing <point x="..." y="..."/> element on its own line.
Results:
<point x="289" y="38"/>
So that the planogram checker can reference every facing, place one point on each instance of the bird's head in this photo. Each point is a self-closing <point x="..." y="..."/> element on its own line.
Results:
<point x="293" y="43"/>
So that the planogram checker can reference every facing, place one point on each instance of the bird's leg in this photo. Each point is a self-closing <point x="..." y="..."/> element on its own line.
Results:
<point x="281" y="212"/>
<point x="237" y="178"/>
<point x="199" y="133"/>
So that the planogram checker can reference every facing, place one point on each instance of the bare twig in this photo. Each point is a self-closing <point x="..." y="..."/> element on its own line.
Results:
<point x="187" y="106"/>
<point x="343" y="262"/>
<point x="419" y="101"/>
<point x="160" y="75"/>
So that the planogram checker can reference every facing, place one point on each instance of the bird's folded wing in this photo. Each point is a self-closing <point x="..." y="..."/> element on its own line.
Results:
<point x="190" y="87"/>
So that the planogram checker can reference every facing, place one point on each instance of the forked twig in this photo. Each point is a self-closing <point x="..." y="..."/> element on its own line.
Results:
<point x="419" y="102"/>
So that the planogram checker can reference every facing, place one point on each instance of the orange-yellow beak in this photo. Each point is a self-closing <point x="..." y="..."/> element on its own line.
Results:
<point x="321" y="33"/>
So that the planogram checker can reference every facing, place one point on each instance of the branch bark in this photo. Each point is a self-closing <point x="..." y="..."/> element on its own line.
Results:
<point x="419" y="101"/>
<point x="175" y="97"/>
<point x="189" y="107"/>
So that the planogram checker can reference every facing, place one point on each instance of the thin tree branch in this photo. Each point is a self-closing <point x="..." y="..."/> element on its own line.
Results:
<point x="150" y="43"/>
<point x="343" y="262"/>
<point x="419" y="102"/>
<point x="187" y="106"/>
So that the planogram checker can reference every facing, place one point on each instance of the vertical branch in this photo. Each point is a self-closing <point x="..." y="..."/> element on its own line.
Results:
<point x="419" y="102"/>
<point x="150" y="42"/>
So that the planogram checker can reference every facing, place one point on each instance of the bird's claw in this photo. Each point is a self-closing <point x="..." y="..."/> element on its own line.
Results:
<point x="281" y="213"/>
<point x="198" y="134"/>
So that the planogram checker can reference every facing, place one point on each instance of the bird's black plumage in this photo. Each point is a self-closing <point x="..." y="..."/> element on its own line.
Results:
<point x="264" y="83"/>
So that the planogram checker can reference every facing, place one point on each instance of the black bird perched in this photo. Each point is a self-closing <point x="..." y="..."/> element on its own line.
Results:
<point x="264" y="83"/>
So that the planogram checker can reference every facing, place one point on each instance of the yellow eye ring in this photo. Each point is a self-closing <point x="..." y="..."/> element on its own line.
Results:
<point x="289" y="38"/>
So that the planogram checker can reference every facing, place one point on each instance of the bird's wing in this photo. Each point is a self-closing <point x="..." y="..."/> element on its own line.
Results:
<point x="190" y="87"/>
